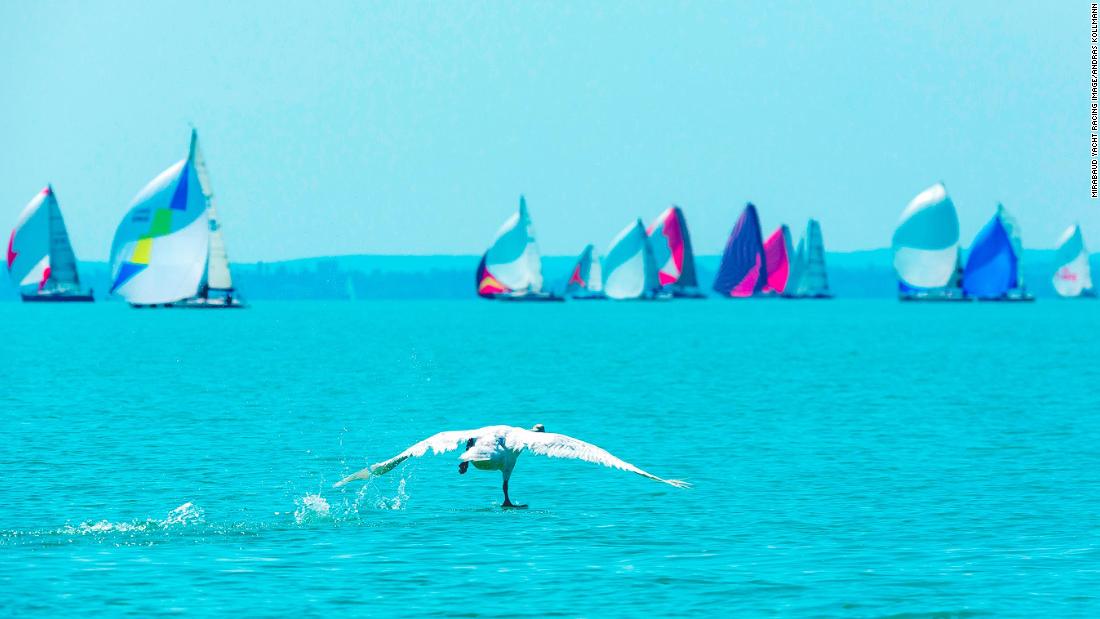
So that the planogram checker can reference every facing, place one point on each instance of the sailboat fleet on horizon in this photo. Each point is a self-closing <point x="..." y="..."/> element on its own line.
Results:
<point x="168" y="251"/>
<point x="928" y="258"/>
<point x="658" y="263"/>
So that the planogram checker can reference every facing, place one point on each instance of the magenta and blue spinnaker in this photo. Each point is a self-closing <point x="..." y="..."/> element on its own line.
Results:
<point x="744" y="270"/>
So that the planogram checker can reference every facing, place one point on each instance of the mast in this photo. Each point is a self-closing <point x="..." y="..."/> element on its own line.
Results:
<point x="217" y="275"/>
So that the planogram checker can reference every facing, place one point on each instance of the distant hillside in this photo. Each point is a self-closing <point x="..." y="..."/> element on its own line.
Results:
<point x="861" y="274"/>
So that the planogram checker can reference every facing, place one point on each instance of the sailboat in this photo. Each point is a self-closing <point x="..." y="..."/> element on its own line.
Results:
<point x="926" y="249"/>
<point x="992" y="270"/>
<point x="169" y="250"/>
<point x="810" y="279"/>
<point x="744" y="270"/>
<point x="585" y="282"/>
<point x="782" y="277"/>
<point x="1073" y="277"/>
<point x="511" y="269"/>
<point x="671" y="243"/>
<point x="41" y="262"/>
<point x="630" y="267"/>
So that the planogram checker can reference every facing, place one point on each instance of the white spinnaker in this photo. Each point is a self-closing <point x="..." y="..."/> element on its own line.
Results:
<point x="176" y="262"/>
<point x="631" y="270"/>
<point x="1073" y="275"/>
<point x="513" y="258"/>
<point x="29" y="249"/>
<point x="926" y="238"/>
<point x="63" y="274"/>
<point x="217" y="276"/>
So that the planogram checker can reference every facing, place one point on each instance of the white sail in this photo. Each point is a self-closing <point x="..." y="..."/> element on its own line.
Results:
<point x="160" y="248"/>
<point x="217" y="275"/>
<point x="797" y="267"/>
<point x="926" y="240"/>
<point x="631" y="269"/>
<point x="1012" y="227"/>
<point x="1073" y="276"/>
<point x="39" y="252"/>
<point x="595" y="275"/>
<point x="29" y="244"/>
<point x="513" y="259"/>
<point x="812" y="278"/>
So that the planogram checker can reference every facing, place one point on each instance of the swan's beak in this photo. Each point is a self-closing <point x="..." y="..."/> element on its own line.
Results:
<point x="538" y="428"/>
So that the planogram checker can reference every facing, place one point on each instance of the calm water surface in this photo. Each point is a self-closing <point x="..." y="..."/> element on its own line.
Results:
<point x="857" y="458"/>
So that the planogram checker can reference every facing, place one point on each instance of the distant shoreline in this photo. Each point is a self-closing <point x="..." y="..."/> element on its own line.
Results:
<point x="863" y="274"/>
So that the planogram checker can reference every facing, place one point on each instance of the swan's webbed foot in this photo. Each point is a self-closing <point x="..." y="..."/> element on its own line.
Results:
<point x="511" y="505"/>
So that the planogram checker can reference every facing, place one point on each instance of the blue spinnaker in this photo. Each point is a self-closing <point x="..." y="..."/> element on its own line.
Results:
<point x="991" y="267"/>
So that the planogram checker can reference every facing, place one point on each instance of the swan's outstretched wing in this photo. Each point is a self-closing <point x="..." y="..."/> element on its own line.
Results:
<point x="562" y="446"/>
<point x="438" y="443"/>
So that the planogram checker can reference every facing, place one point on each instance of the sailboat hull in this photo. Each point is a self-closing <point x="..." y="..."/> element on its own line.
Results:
<point x="1023" y="299"/>
<point x="58" y="298"/>
<point x="529" y="297"/>
<point x="659" y="296"/>
<point x="934" y="299"/>
<point x="688" y="294"/>
<point x="211" y="303"/>
<point x="818" y="296"/>
<point x="198" y="303"/>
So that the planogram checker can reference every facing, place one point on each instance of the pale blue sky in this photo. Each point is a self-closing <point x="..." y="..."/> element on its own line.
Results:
<point x="336" y="128"/>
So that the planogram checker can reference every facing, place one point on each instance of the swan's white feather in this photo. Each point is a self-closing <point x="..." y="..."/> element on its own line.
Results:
<point x="513" y="439"/>
<point x="438" y="443"/>
<point x="561" y="446"/>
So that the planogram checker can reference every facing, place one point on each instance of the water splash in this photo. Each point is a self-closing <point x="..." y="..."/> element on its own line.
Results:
<point x="311" y="508"/>
<point x="398" y="501"/>
<point x="184" y="515"/>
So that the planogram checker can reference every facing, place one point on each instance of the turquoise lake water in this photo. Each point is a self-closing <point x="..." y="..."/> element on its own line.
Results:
<point x="851" y="458"/>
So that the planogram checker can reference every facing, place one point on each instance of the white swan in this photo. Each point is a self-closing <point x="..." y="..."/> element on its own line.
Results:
<point x="495" y="448"/>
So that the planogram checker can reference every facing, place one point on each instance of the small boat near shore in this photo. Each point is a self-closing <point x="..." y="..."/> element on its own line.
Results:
<point x="40" y="257"/>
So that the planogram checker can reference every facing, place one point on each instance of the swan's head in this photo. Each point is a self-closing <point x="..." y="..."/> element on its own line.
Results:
<point x="538" y="428"/>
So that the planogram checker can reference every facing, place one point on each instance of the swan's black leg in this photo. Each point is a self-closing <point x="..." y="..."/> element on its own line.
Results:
<point x="507" y="501"/>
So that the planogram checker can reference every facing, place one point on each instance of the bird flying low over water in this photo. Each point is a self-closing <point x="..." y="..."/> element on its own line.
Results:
<point x="495" y="448"/>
